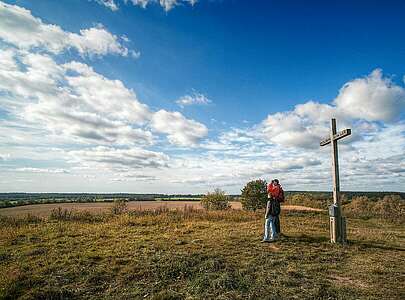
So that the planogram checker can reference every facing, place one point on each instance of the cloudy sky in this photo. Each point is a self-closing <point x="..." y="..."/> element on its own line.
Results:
<point x="183" y="96"/>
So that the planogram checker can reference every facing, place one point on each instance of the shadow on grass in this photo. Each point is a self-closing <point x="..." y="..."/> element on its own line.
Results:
<point x="307" y="239"/>
<point x="370" y="245"/>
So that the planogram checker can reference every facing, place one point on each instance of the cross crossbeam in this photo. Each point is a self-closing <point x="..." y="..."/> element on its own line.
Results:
<point x="337" y="136"/>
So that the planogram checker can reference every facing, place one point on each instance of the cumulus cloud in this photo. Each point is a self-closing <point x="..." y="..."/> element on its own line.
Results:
<point x="373" y="98"/>
<point x="194" y="99"/>
<point x="122" y="159"/>
<point x="73" y="100"/>
<point x="180" y="131"/>
<point x="20" y="28"/>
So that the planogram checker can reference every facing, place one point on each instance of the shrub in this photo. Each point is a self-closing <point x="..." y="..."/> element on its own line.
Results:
<point x="119" y="207"/>
<point x="308" y="199"/>
<point x="61" y="214"/>
<point x="254" y="195"/>
<point x="215" y="201"/>
<point x="391" y="208"/>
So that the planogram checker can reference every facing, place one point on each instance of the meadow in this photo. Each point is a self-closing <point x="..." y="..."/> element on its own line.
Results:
<point x="197" y="254"/>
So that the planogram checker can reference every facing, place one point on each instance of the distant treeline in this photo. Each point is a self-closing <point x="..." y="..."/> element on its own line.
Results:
<point x="18" y="199"/>
<point x="346" y="195"/>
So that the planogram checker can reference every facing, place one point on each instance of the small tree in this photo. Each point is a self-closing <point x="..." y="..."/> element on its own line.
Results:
<point x="254" y="195"/>
<point x="215" y="201"/>
<point x="118" y="207"/>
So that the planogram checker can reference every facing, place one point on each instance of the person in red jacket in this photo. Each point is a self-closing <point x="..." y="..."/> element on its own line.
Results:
<point x="275" y="194"/>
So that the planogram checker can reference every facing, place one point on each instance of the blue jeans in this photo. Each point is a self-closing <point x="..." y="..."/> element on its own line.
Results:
<point x="270" y="229"/>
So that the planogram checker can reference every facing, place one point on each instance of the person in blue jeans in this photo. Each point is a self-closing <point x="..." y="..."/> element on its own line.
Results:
<point x="270" y="234"/>
<point x="273" y="210"/>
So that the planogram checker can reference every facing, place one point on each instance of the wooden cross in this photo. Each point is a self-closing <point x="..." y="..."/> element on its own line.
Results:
<point x="337" y="221"/>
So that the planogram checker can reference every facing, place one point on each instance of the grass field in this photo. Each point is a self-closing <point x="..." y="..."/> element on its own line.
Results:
<point x="44" y="210"/>
<point x="193" y="254"/>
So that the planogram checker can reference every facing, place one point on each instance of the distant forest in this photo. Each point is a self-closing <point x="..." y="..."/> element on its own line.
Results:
<point x="18" y="199"/>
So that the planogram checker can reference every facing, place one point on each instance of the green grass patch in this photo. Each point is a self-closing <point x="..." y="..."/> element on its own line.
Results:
<point x="198" y="255"/>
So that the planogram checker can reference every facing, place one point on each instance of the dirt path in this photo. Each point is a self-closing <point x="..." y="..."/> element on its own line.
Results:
<point x="43" y="210"/>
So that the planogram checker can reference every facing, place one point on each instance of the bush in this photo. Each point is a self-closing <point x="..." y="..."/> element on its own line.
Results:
<point x="60" y="214"/>
<point x="390" y="208"/>
<point x="215" y="201"/>
<point x="309" y="200"/>
<point x="119" y="207"/>
<point x="254" y="195"/>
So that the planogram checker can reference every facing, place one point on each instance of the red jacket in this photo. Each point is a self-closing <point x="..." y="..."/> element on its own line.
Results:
<point x="275" y="191"/>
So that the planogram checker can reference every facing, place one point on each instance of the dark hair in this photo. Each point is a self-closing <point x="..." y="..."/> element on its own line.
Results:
<point x="275" y="181"/>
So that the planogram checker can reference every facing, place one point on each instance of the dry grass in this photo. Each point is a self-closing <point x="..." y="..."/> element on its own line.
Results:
<point x="194" y="254"/>
<point x="45" y="210"/>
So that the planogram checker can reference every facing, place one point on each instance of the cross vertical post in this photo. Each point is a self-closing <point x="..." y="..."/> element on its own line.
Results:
<point x="335" y="165"/>
<point x="337" y="221"/>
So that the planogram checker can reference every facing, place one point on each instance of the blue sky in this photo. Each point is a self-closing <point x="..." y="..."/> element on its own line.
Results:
<point x="224" y="92"/>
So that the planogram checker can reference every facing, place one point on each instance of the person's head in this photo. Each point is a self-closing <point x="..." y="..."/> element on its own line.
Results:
<point x="275" y="181"/>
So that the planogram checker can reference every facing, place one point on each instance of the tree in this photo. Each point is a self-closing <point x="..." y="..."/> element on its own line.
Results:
<point x="254" y="195"/>
<point x="215" y="201"/>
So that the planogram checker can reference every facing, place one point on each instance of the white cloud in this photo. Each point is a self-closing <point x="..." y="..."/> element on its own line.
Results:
<point x="165" y="4"/>
<point x="42" y="170"/>
<point x="373" y="98"/>
<point x="73" y="100"/>
<point x="7" y="62"/>
<point x="131" y="176"/>
<point x="109" y="4"/>
<point x="168" y="4"/>
<point x="180" y="131"/>
<point x="20" y="28"/>
<point x="194" y="99"/>
<point x="4" y="157"/>
<point x="119" y="159"/>
<point x="291" y="130"/>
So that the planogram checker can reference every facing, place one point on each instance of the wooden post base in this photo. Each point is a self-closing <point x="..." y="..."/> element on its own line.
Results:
<point x="338" y="230"/>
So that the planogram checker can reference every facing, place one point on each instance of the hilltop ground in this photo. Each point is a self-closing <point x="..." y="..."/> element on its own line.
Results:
<point x="195" y="255"/>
